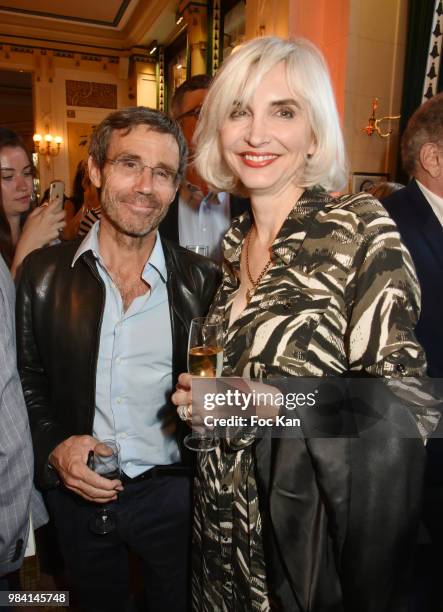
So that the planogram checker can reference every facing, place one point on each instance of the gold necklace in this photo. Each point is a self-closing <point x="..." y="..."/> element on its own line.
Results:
<point x="250" y="292"/>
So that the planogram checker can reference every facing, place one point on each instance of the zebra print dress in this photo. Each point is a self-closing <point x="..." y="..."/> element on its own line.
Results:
<point x="341" y="295"/>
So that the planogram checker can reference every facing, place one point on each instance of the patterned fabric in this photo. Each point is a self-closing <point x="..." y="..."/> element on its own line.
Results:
<point x="341" y="295"/>
<point x="16" y="461"/>
<point x="88" y="220"/>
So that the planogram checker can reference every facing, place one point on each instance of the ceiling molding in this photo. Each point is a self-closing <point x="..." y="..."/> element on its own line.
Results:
<point x="63" y="17"/>
<point x="150" y="20"/>
<point x="143" y="22"/>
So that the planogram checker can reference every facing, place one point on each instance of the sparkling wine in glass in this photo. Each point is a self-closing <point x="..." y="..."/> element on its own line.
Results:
<point x="106" y="463"/>
<point x="205" y="358"/>
<point x="200" y="249"/>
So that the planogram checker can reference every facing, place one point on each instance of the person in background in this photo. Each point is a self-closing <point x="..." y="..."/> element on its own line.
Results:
<point x="16" y="458"/>
<point x="22" y="231"/>
<point x="197" y="216"/>
<point x="102" y="334"/>
<point x="313" y="286"/>
<point x="417" y="209"/>
<point x="383" y="189"/>
<point x="418" y="212"/>
<point x="85" y="193"/>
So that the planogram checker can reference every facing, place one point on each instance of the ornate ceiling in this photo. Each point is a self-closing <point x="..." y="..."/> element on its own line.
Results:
<point x="108" y="14"/>
<point x="114" y="24"/>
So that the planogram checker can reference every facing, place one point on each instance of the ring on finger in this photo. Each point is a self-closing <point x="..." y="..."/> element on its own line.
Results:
<point x="185" y="412"/>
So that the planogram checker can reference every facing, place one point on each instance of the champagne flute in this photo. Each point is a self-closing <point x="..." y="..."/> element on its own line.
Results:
<point x="105" y="461"/>
<point x="200" y="249"/>
<point x="205" y="358"/>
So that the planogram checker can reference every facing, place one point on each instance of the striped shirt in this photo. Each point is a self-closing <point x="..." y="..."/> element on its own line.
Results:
<point x="88" y="220"/>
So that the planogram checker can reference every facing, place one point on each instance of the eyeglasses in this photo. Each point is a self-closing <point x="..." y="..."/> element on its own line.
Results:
<point x="134" y="168"/>
<point x="193" y="112"/>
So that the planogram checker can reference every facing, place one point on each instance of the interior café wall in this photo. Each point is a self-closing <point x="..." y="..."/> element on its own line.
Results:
<point x="323" y="22"/>
<point x="363" y="42"/>
<point x="57" y="103"/>
<point x="376" y="52"/>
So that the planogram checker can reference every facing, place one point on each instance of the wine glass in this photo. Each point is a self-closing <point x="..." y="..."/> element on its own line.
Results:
<point x="200" y="249"/>
<point x="205" y="358"/>
<point x="105" y="461"/>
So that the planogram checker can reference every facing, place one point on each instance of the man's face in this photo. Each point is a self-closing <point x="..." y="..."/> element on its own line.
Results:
<point x="188" y="112"/>
<point x="187" y="116"/>
<point x="135" y="202"/>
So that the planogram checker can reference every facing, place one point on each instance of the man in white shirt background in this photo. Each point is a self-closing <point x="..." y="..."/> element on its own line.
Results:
<point x="197" y="216"/>
<point x="418" y="211"/>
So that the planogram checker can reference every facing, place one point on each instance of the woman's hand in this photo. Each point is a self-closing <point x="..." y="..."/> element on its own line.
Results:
<point x="42" y="226"/>
<point x="183" y="393"/>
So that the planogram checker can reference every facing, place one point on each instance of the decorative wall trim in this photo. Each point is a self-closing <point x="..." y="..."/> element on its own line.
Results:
<point x="161" y="79"/>
<point x="217" y="44"/>
<point x="17" y="49"/>
<point x="51" y="40"/>
<point x="92" y="95"/>
<point x="146" y="59"/>
<point x="65" y="53"/>
<point x="433" y="65"/>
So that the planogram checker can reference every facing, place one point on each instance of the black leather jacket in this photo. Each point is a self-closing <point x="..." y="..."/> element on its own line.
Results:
<point x="59" y="315"/>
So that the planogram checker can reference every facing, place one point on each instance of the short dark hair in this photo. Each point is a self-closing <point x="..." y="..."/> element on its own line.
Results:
<point x="131" y="117"/>
<point x="425" y="125"/>
<point x="198" y="81"/>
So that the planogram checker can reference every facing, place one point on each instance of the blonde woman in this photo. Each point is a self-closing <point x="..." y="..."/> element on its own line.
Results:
<point x="313" y="286"/>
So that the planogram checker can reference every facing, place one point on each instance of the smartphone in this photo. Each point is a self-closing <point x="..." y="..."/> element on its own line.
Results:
<point x="56" y="193"/>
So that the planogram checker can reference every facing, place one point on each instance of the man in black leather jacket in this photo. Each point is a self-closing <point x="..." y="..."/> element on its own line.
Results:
<point x="102" y="335"/>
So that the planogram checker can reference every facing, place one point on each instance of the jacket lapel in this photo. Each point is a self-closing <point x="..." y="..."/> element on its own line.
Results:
<point x="427" y="223"/>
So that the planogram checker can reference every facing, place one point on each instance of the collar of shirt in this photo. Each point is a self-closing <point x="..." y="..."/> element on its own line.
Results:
<point x="215" y="199"/>
<point x="155" y="267"/>
<point x="435" y="201"/>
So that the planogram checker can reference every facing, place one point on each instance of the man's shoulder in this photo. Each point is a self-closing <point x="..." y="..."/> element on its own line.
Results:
<point x="53" y="257"/>
<point x="399" y="200"/>
<point x="62" y="250"/>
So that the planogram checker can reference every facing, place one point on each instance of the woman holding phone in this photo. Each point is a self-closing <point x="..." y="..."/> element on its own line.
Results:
<point x="22" y="231"/>
<point x="313" y="286"/>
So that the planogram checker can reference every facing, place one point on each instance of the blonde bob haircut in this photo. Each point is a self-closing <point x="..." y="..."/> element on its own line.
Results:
<point x="235" y="84"/>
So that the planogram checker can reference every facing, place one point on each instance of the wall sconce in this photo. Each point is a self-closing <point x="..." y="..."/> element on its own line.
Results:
<point x="47" y="145"/>
<point x="374" y="124"/>
<point x="153" y="47"/>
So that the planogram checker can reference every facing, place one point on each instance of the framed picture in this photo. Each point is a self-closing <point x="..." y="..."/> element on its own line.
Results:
<point x="360" y="181"/>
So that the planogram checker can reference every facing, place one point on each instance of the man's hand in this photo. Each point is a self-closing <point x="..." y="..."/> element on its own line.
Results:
<point x="69" y="459"/>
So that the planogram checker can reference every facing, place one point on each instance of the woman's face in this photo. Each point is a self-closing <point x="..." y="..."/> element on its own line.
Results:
<point x="16" y="181"/>
<point x="265" y="143"/>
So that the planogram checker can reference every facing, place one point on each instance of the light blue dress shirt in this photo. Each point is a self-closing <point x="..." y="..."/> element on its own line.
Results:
<point x="134" y="367"/>
<point x="206" y="224"/>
